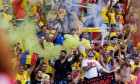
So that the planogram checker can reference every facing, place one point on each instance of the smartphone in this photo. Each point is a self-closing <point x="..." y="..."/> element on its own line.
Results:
<point x="46" y="77"/>
<point x="111" y="52"/>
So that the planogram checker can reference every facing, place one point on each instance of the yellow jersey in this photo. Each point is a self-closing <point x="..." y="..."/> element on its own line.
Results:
<point x="133" y="66"/>
<point x="23" y="78"/>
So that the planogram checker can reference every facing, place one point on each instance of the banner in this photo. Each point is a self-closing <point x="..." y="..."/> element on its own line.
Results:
<point x="105" y="79"/>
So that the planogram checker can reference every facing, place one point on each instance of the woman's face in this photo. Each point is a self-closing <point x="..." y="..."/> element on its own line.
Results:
<point x="80" y="58"/>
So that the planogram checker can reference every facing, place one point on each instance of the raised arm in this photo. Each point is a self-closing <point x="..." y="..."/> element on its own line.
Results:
<point x="37" y="68"/>
<point x="123" y="63"/>
<point x="31" y="69"/>
<point x="54" y="37"/>
<point x="18" y="63"/>
<point x="102" y="63"/>
<point x="107" y="14"/>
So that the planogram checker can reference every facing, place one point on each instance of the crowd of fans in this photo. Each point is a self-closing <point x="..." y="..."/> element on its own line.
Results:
<point x="55" y="18"/>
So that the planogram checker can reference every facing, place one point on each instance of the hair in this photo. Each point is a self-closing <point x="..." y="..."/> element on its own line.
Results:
<point x="77" y="56"/>
<point x="72" y="29"/>
<point x="64" y="51"/>
<point x="90" y="50"/>
<point x="43" y="63"/>
<point x="43" y="26"/>
<point x="116" y="14"/>
<point x="37" y="71"/>
<point x="104" y="45"/>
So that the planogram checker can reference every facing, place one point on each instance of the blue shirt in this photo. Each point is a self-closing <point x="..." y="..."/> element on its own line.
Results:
<point x="59" y="40"/>
<point x="41" y="36"/>
<point x="133" y="56"/>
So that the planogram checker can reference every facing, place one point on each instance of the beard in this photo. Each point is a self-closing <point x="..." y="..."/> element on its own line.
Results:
<point x="90" y="56"/>
<point x="40" y="77"/>
<point x="62" y="57"/>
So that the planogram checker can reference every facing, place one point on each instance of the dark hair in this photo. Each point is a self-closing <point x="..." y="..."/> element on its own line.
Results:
<point x="37" y="71"/>
<point x="77" y="56"/>
<point x="105" y="45"/>
<point x="116" y="14"/>
<point x="72" y="29"/>
<point x="90" y="50"/>
<point x="43" y="63"/>
<point x="64" y="51"/>
<point x="43" y="26"/>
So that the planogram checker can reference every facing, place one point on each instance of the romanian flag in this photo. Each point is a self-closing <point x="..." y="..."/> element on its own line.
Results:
<point x="28" y="58"/>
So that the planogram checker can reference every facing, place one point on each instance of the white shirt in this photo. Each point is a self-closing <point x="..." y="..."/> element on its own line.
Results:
<point x="93" y="71"/>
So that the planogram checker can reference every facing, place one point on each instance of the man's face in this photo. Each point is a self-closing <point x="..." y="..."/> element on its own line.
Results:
<point x="131" y="18"/>
<point x="117" y="18"/>
<point x="128" y="62"/>
<point x="62" y="55"/>
<point x="86" y="35"/>
<point x="68" y="77"/>
<point x="117" y="10"/>
<point x="134" y="50"/>
<point x="5" y="9"/>
<point x="25" y="66"/>
<point x="105" y="48"/>
<point x="113" y="27"/>
<point x="90" y="54"/>
<point x="137" y="60"/>
<point x="48" y="39"/>
<point x="44" y="29"/>
<point x="81" y="58"/>
<point x="39" y="74"/>
<point x="73" y="32"/>
<point x="44" y="68"/>
<point x="105" y="57"/>
<point x="21" y="70"/>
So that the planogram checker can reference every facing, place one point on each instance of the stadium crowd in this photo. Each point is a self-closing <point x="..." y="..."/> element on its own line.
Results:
<point x="56" y="18"/>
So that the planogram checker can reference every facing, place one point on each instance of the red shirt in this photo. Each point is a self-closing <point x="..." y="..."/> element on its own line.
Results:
<point x="84" y="1"/>
<point x="18" y="10"/>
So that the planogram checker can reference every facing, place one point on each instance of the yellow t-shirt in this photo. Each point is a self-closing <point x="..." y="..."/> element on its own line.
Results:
<point x="133" y="29"/>
<point x="62" y="13"/>
<point x="24" y="4"/>
<point x="76" y="66"/>
<point x="51" y="32"/>
<point x="112" y="17"/>
<point x="103" y="14"/>
<point x="49" y="68"/>
<point x="97" y="56"/>
<point x="23" y="78"/>
<point x="110" y="47"/>
<point x="133" y="66"/>
<point x="43" y="76"/>
<point x="33" y="10"/>
<point x="7" y="17"/>
<point x="111" y="34"/>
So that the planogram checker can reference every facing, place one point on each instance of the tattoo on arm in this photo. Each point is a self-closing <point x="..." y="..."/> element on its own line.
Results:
<point x="86" y="68"/>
